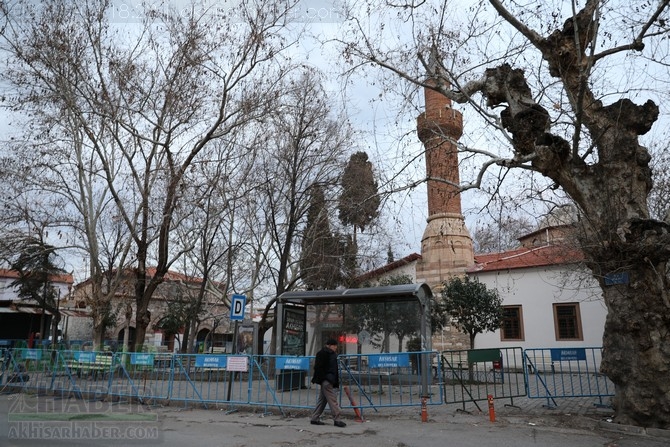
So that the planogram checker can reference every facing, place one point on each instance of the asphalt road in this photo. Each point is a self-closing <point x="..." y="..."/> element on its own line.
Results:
<point x="31" y="421"/>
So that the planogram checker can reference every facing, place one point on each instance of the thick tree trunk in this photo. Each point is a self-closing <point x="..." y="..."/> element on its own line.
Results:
<point x="98" y="331"/>
<point x="636" y="340"/>
<point x="636" y="355"/>
<point x="186" y="338"/>
<point x="55" y="321"/>
<point x="142" y="320"/>
<point x="611" y="189"/>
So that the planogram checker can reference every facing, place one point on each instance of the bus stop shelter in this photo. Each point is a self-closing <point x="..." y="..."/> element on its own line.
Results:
<point x="288" y="302"/>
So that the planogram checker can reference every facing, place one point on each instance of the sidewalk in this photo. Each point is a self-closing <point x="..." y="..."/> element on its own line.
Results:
<point x="575" y="422"/>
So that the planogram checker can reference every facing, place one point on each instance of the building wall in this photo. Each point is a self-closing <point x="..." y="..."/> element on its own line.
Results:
<point x="405" y="270"/>
<point x="9" y="293"/>
<point x="215" y="314"/>
<point x="536" y="289"/>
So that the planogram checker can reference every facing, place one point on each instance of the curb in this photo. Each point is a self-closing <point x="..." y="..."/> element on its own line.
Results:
<point x="631" y="429"/>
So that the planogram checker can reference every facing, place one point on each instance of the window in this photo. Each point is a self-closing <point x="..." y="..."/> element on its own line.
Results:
<point x="567" y="321"/>
<point x="512" y="323"/>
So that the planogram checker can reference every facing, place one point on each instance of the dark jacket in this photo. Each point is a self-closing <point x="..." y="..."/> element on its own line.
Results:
<point x="325" y="367"/>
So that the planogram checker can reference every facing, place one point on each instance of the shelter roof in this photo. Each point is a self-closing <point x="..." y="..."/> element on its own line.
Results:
<point x="404" y="292"/>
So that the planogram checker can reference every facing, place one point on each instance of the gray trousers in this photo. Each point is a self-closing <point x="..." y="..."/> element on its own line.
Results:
<point x="327" y="395"/>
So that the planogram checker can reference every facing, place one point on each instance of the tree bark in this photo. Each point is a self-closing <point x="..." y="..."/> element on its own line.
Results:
<point x="617" y="234"/>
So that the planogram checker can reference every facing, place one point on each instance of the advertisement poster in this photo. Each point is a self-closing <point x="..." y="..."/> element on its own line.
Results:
<point x="245" y="339"/>
<point x="293" y="333"/>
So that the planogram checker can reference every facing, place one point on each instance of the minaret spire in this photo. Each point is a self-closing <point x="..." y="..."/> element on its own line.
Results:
<point x="446" y="246"/>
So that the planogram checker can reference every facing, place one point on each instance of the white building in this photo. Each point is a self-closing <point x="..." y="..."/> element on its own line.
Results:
<point x="550" y="300"/>
<point x="20" y="318"/>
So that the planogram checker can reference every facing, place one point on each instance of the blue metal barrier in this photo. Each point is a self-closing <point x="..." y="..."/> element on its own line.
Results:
<point x="473" y="374"/>
<point x="211" y="378"/>
<point x="280" y="382"/>
<point x="566" y="372"/>
<point x="387" y="380"/>
<point x="283" y="381"/>
<point x="240" y="379"/>
<point x="142" y="376"/>
<point x="82" y="373"/>
<point x="30" y="369"/>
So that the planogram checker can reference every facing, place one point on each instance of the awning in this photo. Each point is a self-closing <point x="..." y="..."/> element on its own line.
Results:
<point x="31" y="310"/>
<point x="75" y="312"/>
<point x="38" y="311"/>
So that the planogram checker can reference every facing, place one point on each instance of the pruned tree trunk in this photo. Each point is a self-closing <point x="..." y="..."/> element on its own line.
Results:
<point x="609" y="178"/>
<point x="636" y="341"/>
<point x="618" y="235"/>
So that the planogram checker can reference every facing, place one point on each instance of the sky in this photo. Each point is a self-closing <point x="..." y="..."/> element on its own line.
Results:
<point x="384" y="124"/>
<point x="383" y="119"/>
<point x="376" y="123"/>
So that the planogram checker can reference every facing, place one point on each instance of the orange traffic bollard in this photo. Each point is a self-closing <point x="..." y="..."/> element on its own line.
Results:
<point x="492" y="410"/>
<point x="359" y="416"/>
<point x="424" y="410"/>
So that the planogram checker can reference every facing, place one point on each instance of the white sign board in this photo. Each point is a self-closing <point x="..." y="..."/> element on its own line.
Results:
<point x="237" y="304"/>
<point x="237" y="363"/>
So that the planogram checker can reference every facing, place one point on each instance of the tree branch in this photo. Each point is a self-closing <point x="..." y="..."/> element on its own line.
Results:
<point x="532" y="36"/>
<point x="637" y="44"/>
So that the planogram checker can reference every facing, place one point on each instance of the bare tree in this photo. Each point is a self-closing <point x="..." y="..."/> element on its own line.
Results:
<point x="501" y="232"/>
<point x="55" y="181"/>
<point x="659" y="196"/>
<point x="553" y="91"/>
<point x="215" y="243"/>
<point x="307" y="146"/>
<point x="148" y="103"/>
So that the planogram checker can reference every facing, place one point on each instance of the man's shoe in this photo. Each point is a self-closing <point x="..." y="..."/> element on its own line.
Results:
<point x="340" y="424"/>
<point x="317" y="422"/>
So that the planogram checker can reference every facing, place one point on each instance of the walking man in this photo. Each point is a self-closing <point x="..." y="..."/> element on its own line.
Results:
<point x="326" y="375"/>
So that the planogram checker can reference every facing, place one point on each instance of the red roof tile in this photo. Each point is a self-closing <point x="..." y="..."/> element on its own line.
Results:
<point x="526" y="258"/>
<point x="388" y="267"/>
<point x="63" y="278"/>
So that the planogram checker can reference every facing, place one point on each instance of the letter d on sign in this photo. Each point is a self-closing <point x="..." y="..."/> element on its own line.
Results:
<point x="237" y="304"/>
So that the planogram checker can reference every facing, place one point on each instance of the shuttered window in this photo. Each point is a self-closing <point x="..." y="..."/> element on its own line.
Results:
<point x="567" y="321"/>
<point x="512" y="324"/>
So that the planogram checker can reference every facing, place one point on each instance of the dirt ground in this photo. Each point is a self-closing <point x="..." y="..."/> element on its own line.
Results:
<point x="578" y="424"/>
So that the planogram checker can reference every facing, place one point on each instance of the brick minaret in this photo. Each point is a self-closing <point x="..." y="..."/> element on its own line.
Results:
<point x="446" y="245"/>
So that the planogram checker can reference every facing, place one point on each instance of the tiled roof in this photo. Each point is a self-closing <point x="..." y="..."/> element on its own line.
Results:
<point x="170" y="276"/>
<point x="526" y="258"/>
<point x="63" y="278"/>
<point x="388" y="267"/>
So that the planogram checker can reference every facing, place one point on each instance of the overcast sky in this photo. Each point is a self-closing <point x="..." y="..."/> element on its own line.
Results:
<point x="385" y="122"/>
